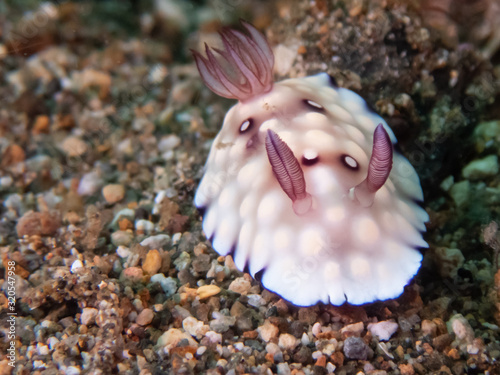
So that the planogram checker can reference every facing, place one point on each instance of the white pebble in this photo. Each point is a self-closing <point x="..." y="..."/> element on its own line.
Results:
<point x="273" y="349"/>
<point x="329" y="348"/>
<point x="201" y="350"/>
<point x="158" y="199"/>
<point x="256" y="300"/>
<point x="168" y="284"/>
<point x="52" y="341"/>
<point x="481" y="168"/>
<point x="221" y="363"/>
<point x="125" y="147"/>
<point x="145" y="317"/>
<point x="195" y="327"/>
<point x="317" y="354"/>
<point x="447" y="183"/>
<point x="159" y="241"/>
<point x="316" y="329"/>
<point x="168" y="143"/>
<point x="460" y="193"/>
<point x="305" y="339"/>
<point x="473" y="349"/>
<point x="90" y="184"/>
<point x="240" y="285"/>
<point x="39" y="364"/>
<point x="283" y="369"/>
<point x="384" y="330"/>
<point x="123" y="252"/>
<point x="72" y="370"/>
<point x="330" y="367"/>
<point x="287" y="341"/>
<point x="145" y="226"/>
<point x="73" y="146"/>
<point x="6" y="181"/>
<point x="355" y="329"/>
<point x="176" y="238"/>
<point x="268" y="331"/>
<point x="214" y="337"/>
<point x="42" y="349"/>
<point x="77" y="264"/>
<point x="462" y="328"/>
<point x="88" y="315"/>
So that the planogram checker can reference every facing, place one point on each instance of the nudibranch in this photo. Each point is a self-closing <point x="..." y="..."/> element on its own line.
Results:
<point x="302" y="185"/>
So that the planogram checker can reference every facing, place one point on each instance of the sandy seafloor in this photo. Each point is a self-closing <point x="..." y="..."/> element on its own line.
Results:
<point x="104" y="129"/>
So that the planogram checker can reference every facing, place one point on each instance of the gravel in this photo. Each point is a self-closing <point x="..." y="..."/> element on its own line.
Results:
<point x="104" y="131"/>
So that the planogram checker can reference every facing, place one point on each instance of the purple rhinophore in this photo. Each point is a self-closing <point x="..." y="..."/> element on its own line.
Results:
<point x="288" y="172"/>
<point x="381" y="160"/>
<point x="379" y="167"/>
<point x="246" y="67"/>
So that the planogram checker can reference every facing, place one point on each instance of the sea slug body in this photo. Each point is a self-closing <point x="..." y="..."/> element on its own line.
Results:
<point x="302" y="185"/>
